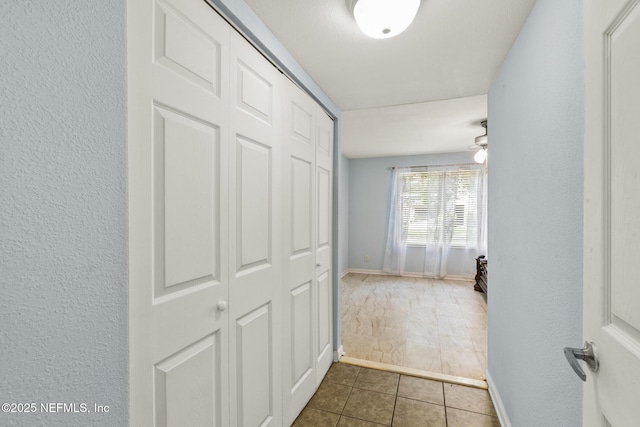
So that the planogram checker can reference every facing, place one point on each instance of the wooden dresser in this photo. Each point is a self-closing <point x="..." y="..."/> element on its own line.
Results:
<point x="482" y="279"/>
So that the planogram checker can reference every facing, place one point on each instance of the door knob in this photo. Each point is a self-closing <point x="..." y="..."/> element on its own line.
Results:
<point x="588" y="354"/>
<point x="318" y="265"/>
<point x="222" y="306"/>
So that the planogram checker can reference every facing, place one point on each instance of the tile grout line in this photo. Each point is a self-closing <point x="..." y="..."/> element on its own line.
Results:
<point x="345" y="405"/>
<point x="395" y="401"/>
<point x="444" y="401"/>
<point x="348" y="396"/>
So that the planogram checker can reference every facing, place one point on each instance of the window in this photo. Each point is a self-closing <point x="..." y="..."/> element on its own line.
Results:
<point x="438" y="206"/>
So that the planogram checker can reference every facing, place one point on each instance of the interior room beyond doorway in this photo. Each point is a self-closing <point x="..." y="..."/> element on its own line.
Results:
<point x="438" y="326"/>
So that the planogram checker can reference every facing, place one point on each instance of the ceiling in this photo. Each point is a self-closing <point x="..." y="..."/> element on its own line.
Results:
<point x="453" y="49"/>
<point x="448" y="126"/>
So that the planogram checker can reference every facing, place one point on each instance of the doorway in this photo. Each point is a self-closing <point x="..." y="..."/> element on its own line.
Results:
<point x="436" y="326"/>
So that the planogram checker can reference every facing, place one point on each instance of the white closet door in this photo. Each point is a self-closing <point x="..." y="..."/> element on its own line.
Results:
<point x="299" y="248"/>
<point x="177" y="159"/>
<point x="324" y="182"/>
<point x="255" y="238"/>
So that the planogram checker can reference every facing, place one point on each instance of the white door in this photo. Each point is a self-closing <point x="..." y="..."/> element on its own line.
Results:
<point x="177" y="160"/>
<point x="612" y="211"/>
<point x="324" y="183"/>
<point x="299" y="217"/>
<point x="255" y="237"/>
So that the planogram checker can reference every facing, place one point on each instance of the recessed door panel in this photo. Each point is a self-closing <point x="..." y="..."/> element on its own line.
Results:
<point x="254" y="188"/>
<point x="301" y="206"/>
<point x="186" y="206"/>
<point x="255" y="93"/>
<point x="301" y="123"/>
<point x="187" y="386"/>
<point x="625" y="182"/>
<point x="324" y="315"/>
<point x="325" y="139"/>
<point x="324" y="207"/>
<point x="302" y="336"/>
<point x="255" y="364"/>
<point x="186" y="48"/>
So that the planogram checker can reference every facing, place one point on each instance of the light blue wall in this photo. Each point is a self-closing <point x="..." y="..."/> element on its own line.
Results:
<point x="368" y="209"/>
<point x="343" y="214"/>
<point x="535" y="218"/>
<point x="63" y="270"/>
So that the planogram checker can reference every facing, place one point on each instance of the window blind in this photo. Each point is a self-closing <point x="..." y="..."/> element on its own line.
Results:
<point x="437" y="206"/>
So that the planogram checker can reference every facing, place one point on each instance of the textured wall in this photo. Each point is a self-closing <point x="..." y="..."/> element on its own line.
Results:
<point x="368" y="209"/>
<point x="535" y="218"/>
<point x="63" y="309"/>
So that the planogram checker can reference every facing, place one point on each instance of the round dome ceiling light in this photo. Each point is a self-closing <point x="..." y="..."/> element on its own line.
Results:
<point x="382" y="19"/>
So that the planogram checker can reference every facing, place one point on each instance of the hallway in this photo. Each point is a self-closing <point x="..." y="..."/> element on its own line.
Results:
<point x="437" y="326"/>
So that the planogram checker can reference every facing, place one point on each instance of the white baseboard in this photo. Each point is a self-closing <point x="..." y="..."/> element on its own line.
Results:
<point x="497" y="402"/>
<point x="344" y="273"/>
<point x="459" y="278"/>
<point x="337" y="354"/>
<point x="364" y="271"/>
<point x="406" y="274"/>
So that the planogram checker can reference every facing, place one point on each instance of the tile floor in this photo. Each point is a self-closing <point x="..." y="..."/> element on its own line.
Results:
<point x="351" y="396"/>
<point x="434" y="325"/>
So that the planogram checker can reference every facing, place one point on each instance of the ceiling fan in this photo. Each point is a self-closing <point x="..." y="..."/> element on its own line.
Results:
<point x="481" y="144"/>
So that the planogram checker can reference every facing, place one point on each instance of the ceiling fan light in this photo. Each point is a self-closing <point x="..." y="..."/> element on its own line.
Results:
<point x="480" y="156"/>
<point x="382" y="19"/>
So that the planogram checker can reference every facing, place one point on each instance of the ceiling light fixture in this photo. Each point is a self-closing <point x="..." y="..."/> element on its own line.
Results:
<point x="480" y="156"/>
<point x="482" y="142"/>
<point x="382" y="19"/>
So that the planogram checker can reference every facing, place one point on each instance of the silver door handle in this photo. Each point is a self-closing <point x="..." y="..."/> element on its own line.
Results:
<point x="588" y="354"/>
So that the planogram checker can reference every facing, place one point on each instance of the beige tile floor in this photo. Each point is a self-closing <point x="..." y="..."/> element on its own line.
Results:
<point x="438" y="326"/>
<point x="351" y="396"/>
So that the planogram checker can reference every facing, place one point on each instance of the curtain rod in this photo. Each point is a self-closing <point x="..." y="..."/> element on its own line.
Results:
<point x="434" y="166"/>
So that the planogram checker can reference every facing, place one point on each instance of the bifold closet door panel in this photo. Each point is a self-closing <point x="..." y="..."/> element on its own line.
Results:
<point x="178" y="118"/>
<point x="299" y="296"/>
<point x="229" y="226"/>
<point x="324" y="186"/>
<point x="255" y="237"/>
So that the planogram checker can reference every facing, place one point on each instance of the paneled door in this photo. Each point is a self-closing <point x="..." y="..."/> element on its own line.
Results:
<point x="299" y="237"/>
<point x="255" y="237"/>
<point x="178" y="98"/>
<point x="323" y="241"/>
<point x="612" y="211"/>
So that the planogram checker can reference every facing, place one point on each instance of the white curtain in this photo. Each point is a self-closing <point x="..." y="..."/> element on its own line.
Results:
<point x="396" y="249"/>
<point x="439" y="211"/>
<point x="482" y="213"/>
